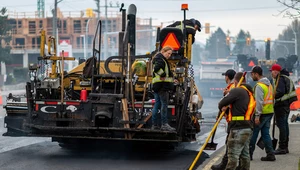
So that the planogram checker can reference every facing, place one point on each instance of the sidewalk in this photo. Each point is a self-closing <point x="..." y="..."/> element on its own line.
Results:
<point x="283" y="162"/>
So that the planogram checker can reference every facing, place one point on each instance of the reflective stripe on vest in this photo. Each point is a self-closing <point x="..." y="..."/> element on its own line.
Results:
<point x="157" y="79"/>
<point x="292" y="92"/>
<point x="268" y="104"/>
<point x="250" y="109"/>
<point x="181" y="26"/>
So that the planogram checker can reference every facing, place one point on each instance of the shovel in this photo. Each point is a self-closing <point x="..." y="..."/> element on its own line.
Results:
<point x="211" y="145"/>
<point x="274" y="140"/>
<point x="260" y="143"/>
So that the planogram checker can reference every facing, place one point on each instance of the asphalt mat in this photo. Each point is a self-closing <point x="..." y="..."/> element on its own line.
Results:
<point x="48" y="155"/>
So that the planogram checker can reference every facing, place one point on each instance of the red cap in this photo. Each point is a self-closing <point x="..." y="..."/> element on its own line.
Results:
<point x="275" y="67"/>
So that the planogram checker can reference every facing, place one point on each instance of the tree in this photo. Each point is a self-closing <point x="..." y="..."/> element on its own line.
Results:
<point x="292" y="9"/>
<point x="5" y="36"/>
<point x="241" y="47"/>
<point x="216" y="45"/>
<point x="283" y="49"/>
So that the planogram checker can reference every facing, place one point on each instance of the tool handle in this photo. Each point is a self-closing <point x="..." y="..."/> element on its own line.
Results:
<point x="273" y="130"/>
<point x="213" y="136"/>
<point x="274" y="118"/>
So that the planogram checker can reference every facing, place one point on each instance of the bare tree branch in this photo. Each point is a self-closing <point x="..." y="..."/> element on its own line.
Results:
<point x="293" y="5"/>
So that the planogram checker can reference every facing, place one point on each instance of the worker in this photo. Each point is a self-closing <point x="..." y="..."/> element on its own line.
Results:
<point x="162" y="83"/>
<point x="242" y="105"/>
<point x="229" y="75"/>
<point x="285" y="94"/>
<point x="192" y="26"/>
<point x="263" y="93"/>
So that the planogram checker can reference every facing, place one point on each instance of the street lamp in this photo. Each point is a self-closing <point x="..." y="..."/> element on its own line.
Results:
<point x="84" y="46"/>
<point x="86" y="35"/>
<point x="295" y="34"/>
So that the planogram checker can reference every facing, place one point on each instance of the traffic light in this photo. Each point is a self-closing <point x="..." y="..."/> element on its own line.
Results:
<point x="89" y="12"/>
<point x="207" y="28"/>
<point x="268" y="49"/>
<point x="248" y="41"/>
<point x="227" y="40"/>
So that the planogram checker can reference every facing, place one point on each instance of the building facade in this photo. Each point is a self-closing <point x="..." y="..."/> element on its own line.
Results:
<point x="76" y="29"/>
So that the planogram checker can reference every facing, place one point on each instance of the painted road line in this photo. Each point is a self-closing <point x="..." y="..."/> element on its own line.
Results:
<point x="213" y="161"/>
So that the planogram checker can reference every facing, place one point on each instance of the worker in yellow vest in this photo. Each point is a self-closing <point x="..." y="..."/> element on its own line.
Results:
<point x="264" y="97"/>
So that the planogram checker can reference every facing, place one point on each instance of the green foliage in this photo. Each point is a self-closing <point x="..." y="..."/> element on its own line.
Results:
<point x="5" y="36"/>
<point x="283" y="49"/>
<point x="241" y="47"/>
<point x="216" y="45"/>
<point x="196" y="57"/>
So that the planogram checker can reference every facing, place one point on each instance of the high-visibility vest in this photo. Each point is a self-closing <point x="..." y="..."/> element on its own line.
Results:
<point x="250" y="109"/>
<point x="290" y="94"/>
<point x="157" y="75"/>
<point x="268" y="104"/>
<point x="186" y="26"/>
<point x="230" y="86"/>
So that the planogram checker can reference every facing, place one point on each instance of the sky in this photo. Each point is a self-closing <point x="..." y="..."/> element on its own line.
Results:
<point x="260" y="17"/>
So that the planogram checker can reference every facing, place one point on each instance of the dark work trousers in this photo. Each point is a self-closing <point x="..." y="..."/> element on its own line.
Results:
<point x="281" y="115"/>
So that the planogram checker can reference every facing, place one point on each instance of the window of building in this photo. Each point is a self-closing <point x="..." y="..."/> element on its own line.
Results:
<point x="38" y="41"/>
<point x="78" y="42"/>
<point x="65" y="26"/>
<point x="20" y="42"/>
<point x="77" y="26"/>
<point x="33" y="42"/>
<point x="13" y="23"/>
<point x="32" y="28"/>
<point x="41" y="24"/>
<point x="19" y="24"/>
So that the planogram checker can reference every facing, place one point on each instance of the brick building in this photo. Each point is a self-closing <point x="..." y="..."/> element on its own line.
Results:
<point x="71" y="26"/>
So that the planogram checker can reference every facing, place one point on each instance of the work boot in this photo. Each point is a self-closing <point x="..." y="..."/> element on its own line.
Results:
<point x="293" y="119"/>
<point x="269" y="157"/>
<point x="280" y="151"/>
<point x="167" y="127"/>
<point x="154" y="127"/>
<point x="220" y="166"/>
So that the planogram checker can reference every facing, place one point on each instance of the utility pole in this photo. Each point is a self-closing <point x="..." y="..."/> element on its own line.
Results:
<point x="41" y="8"/>
<point x="106" y="23"/>
<point x="98" y="9"/>
<point x="54" y="24"/>
<point x="54" y="21"/>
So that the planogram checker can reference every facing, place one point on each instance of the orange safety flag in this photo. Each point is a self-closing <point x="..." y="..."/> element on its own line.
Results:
<point x="296" y="104"/>
<point x="172" y="41"/>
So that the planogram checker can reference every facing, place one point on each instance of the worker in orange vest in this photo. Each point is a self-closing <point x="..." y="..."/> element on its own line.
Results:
<point x="229" y="75"/>
<point x="241" y="107"/>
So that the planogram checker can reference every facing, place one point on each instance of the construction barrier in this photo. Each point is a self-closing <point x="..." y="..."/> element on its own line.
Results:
<point x="296" y="104"/>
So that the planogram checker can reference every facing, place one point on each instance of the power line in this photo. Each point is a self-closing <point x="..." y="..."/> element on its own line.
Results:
<point x="216" y="10"/>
